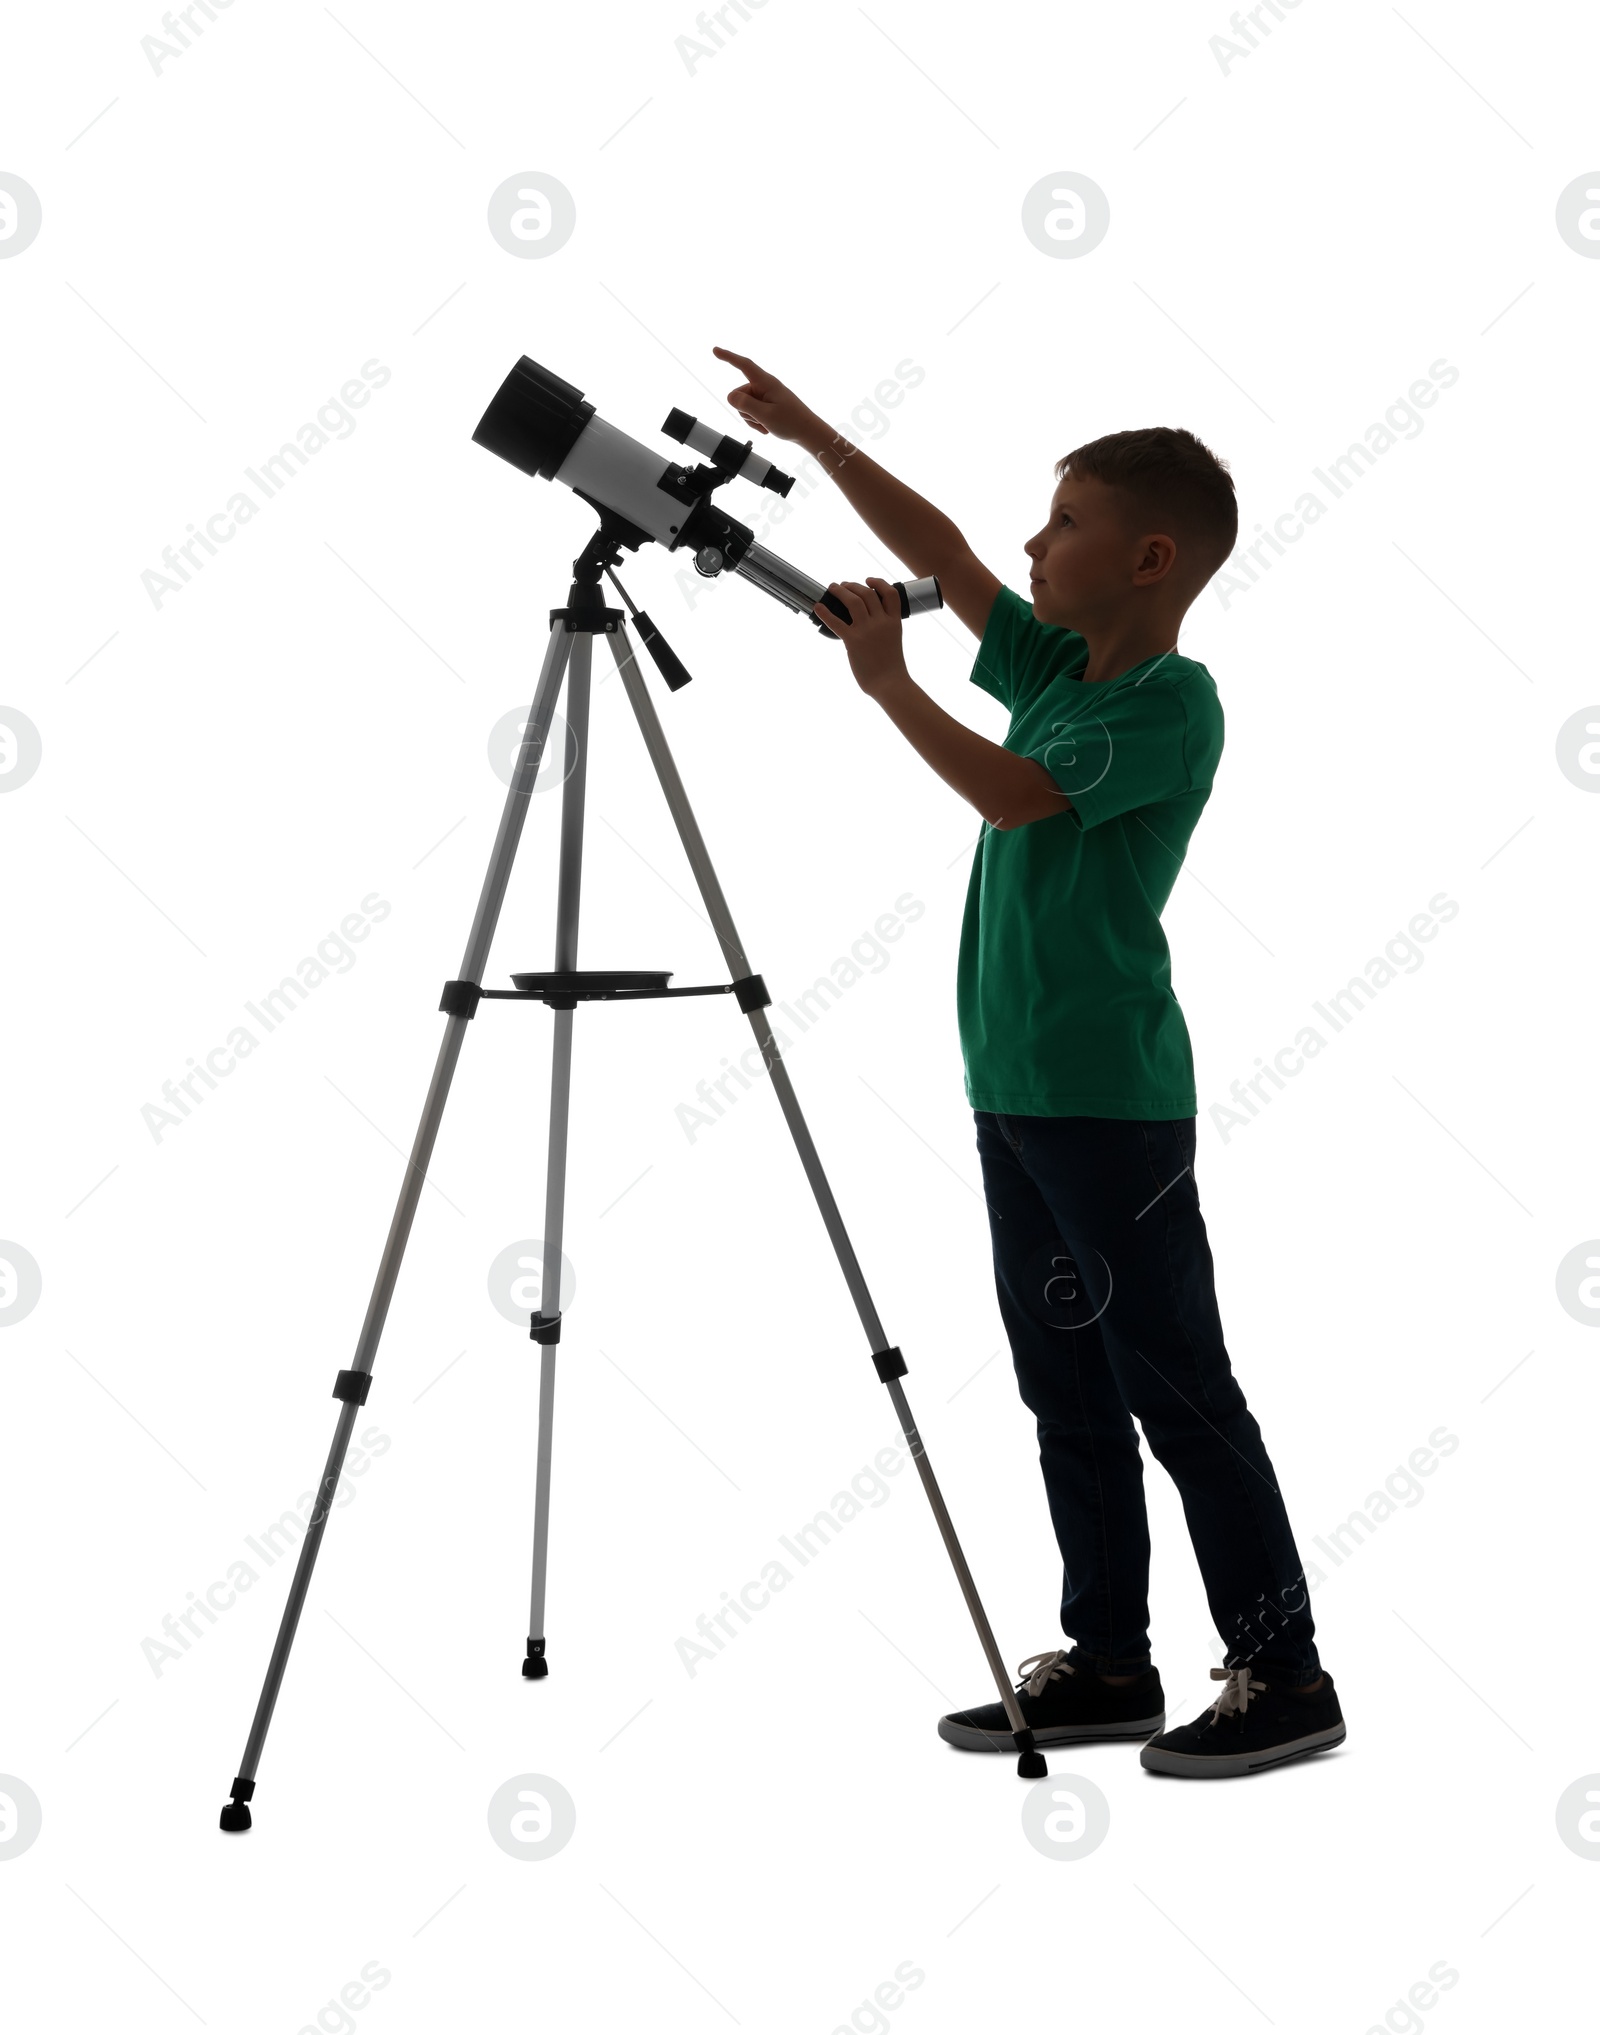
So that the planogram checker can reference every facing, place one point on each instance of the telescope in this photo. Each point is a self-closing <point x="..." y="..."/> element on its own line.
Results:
<point x="542" y="425"/>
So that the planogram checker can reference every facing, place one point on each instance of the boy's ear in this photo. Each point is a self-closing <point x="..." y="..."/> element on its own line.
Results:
<point x="1157" y="558"/>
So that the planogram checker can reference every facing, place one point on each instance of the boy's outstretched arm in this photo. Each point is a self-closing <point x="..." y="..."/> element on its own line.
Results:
<point x="914" y="530"/>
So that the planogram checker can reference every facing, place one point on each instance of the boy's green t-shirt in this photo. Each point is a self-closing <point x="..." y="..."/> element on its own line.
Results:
<point x="1064" y="981"/>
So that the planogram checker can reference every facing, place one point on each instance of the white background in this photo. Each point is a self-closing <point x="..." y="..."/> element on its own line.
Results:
<point x="1294" y="239"/>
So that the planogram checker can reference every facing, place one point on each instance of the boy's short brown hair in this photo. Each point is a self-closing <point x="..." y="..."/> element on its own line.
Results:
<point x="1170" y="482"/>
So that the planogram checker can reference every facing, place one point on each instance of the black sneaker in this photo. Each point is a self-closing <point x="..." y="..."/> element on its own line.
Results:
<point x="1061" y="1699"/>
<point x="1254" y="1723"/>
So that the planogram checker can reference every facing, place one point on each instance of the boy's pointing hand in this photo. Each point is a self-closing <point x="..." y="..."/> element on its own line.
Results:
<point x="871" y="638"/>
<point x="763" y="401"/>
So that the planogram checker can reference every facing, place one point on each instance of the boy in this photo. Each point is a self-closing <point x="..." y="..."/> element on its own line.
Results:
<point x="1079" y="1070"/>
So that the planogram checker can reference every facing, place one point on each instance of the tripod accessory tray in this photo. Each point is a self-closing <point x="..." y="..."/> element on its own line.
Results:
<point x="565" y="988"/>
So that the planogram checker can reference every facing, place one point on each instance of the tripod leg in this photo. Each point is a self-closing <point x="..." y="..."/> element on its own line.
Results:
<point x="353" y="1385"/>
<point x="546" y="1327"/>
<point x="891" y="1365"/>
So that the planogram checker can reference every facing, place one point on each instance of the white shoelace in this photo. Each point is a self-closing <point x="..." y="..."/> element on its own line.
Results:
<point x="1045" y="1667"/>
<point x="1236" y="1696"/>
<point x="1039" y="1669"/>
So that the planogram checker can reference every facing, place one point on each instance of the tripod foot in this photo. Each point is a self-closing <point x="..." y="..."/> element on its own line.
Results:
<point x="1030" y="1761"/>
<point x="236" y="1814"/>
<point x="535" y="1667"/>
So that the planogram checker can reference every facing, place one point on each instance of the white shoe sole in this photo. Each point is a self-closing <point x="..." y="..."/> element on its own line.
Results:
<point x="1221" y="1766"/>
<point x="971" y="1739"/>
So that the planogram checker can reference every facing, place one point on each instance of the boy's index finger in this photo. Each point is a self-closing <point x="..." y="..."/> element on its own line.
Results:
<point x="738" y="359"/>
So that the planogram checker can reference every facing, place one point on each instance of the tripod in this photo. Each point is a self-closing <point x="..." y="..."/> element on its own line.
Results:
<point x="568" y="653"/>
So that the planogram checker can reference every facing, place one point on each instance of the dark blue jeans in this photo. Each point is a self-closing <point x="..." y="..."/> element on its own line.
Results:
<point x="1105" y="1283"/>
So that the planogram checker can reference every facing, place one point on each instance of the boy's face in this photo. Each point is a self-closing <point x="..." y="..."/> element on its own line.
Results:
<point x="1089" y="558"/>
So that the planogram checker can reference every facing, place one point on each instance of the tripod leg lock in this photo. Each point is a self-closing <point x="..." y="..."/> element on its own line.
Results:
<point x="889" y="1364"/>
<point x="751" y="990"/>
<point x="461" y="999"/>
<point x="544" y="1328"/>
<point x="353" y="1386"/>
